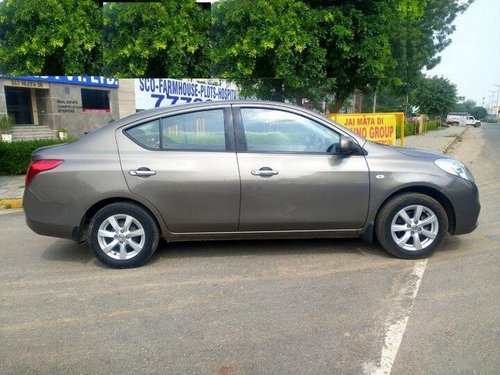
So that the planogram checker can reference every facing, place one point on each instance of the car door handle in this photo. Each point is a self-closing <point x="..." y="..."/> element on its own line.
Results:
<point x="142" y="172"/>
<point x="264" y="172"/>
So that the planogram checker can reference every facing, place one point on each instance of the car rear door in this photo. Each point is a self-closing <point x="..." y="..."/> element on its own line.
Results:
<point x="185" y="164"/>
<point x="292" y="177"/>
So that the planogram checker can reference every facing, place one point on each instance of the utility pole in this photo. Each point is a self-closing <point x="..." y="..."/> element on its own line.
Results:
<point x="497" y="109"/>
<point x="490" y="107"/>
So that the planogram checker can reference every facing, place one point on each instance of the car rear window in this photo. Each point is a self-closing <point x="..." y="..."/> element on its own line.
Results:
<point x="203" y="130"/>
<point x="195" y="131"/>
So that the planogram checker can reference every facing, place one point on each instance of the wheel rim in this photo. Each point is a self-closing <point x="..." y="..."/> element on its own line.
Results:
<point x="121" y="237"/>
<point x="414" y="227"/>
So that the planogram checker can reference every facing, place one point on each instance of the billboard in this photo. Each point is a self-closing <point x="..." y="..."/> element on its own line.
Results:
<point x="376" y="127"/>
<point x="162" y="92"/>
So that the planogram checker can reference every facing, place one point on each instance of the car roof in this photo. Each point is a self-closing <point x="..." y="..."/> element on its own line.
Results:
<point x="158" y="112"/>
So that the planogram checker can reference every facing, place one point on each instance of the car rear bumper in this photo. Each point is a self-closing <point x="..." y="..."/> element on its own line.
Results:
<point x="53" y="219"/>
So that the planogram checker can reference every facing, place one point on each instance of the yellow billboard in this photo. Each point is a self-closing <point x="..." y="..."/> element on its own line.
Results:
<point x="376" y="127"/>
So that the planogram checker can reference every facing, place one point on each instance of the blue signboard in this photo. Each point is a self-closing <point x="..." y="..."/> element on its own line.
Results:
<point x="96" y="81"/>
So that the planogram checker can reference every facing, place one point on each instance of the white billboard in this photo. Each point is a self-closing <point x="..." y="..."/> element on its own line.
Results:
<point x="163" y="92"/>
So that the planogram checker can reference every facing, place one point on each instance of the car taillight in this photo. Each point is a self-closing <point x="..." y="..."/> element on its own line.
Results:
<point x="38" y="166"/>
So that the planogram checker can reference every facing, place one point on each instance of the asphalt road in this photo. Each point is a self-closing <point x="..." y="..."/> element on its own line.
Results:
<point x="259" y="307"/>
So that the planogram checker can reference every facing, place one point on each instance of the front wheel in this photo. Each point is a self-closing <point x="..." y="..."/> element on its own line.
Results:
<point x="411" y="225"/>
<point x="123" y="235"/>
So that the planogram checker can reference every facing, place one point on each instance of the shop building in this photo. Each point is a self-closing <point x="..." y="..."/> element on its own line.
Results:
<point x="78" y="104"/>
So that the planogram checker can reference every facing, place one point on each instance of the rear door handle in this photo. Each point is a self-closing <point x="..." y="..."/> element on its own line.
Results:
<point x="142" y="172"/>
<point x="264" y="172"/>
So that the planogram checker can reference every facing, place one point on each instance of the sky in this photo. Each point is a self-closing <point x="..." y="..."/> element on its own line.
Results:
<point x="472" y="60"/>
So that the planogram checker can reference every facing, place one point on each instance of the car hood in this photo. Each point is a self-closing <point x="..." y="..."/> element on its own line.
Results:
<point x="413" y="152"/>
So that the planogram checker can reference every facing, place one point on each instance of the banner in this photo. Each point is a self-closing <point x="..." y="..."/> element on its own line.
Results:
<point x="95" y="81"/>
<point x="376" y="127"/>
<point x="161" y="92"/>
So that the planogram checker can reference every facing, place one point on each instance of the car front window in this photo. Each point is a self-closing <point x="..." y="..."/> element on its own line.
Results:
<point x="268" y="130"/>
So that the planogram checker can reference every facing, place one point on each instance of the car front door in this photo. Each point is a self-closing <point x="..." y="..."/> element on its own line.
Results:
<point x="185" y="165"/>
<point x="292" y="175"/>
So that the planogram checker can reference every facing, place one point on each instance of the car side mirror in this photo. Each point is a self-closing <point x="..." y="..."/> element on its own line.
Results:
<point x="347" y="145"/>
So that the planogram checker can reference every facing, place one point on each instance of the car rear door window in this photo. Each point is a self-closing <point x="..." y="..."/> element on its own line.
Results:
<point x="268" y="130"/>
<point x="203" y="130"/>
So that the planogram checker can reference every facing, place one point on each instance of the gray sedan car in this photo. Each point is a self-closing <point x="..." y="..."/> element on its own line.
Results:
<point x="234" y="170"/>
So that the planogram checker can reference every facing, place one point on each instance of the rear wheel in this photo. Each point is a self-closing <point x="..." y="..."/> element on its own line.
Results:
<point x="123" y="235"/>
<point x="411" y="225"/>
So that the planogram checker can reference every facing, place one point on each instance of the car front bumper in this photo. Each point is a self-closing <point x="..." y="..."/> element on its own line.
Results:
<point x="464" y="198"/>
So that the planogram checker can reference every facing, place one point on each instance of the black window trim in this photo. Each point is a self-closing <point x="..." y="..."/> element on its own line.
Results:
<point x="228" y="132"/>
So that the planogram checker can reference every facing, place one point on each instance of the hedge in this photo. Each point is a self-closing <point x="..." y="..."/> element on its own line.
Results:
<point x="15" y="156"/>
<point x="410" y="128"/>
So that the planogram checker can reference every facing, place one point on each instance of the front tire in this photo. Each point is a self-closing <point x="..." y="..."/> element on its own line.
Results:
<point x="411" y="225"/>
<point x="123" y="235"/>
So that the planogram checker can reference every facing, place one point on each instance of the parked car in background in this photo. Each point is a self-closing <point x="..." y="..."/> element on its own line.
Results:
<point x="461" y="119"/>
<point x="240" y="170"/>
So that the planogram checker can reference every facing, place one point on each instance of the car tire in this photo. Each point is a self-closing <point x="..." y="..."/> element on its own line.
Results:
<point x="411" y="225"/>
<point x="123" y="235"/>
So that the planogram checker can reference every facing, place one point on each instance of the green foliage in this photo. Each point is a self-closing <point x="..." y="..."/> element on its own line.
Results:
<point x="272" y="49"/>
<point x="409" y="130"/>
<point x="465" y="106"/>
<point x="435" y="96"/>
<point x="479" y="113"/>
<point x="50" y="37"/>
<point x="5" y="124"/>
<point x="418" y="31"/>
<point x="15" y="156"/>
<point x="169" y="38"/>
<point x="289" y="50"/>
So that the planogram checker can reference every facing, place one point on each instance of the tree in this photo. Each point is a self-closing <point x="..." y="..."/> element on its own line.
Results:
<point x="465" y="106"/>
<point x="167" y="38"/>
<point x="479" y="112"/>
<point x="50" y="37"/>
<point x="274" y="45"/>
<point x="305" y="49"/>
<point x="418" y="31"/>
<point x="435" y="96"/>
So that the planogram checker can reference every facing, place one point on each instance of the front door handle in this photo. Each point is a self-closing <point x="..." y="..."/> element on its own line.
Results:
<point x="264" y="172"/>
<point x="142" y="172"/>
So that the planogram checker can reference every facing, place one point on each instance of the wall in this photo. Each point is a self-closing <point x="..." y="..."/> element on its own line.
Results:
<point x="65" y="110"/>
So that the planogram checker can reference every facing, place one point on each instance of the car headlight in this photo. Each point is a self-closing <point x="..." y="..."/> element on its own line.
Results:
<point x="455" y="167"/>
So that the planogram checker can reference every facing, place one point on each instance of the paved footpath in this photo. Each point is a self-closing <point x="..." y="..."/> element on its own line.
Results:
<point x="12" y="187"/>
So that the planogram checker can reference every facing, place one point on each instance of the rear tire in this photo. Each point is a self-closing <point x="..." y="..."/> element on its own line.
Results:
<point x="411" y="225"/>
<point x="123" y="235"/>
